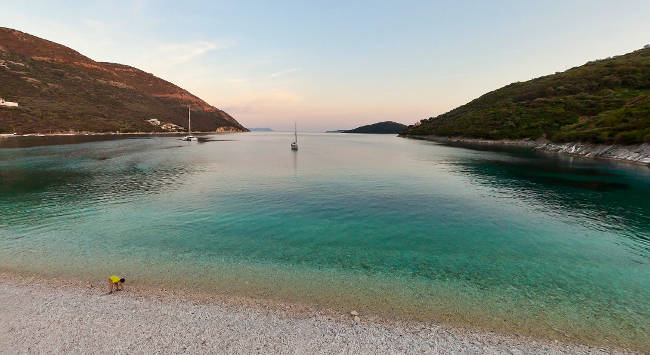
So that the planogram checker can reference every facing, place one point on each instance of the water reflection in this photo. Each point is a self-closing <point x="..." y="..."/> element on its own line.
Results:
<point x="38" y="141"/>
<point x="42" y="182"/>
<point x="611" y="196"/>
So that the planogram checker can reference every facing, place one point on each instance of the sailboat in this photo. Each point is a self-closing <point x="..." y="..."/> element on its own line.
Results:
<point x="189" y="136"/>
<point x="294" y="144"/>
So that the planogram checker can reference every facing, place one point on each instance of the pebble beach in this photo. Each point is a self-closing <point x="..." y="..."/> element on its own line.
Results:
<point x="44" y="315"/>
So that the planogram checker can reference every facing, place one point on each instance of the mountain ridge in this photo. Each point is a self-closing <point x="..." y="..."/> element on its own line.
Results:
<point x="60" y="89"/>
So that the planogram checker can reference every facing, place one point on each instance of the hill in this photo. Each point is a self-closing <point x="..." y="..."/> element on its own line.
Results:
<point x="386" y="127"/>
<point x="58" y="89"/>
<point x="605" y="101"/>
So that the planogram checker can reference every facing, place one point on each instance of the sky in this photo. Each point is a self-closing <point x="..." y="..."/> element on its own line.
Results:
<point x="338" y="64"/>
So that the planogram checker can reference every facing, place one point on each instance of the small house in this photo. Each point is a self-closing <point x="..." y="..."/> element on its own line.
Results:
<point x="8" y="103"/>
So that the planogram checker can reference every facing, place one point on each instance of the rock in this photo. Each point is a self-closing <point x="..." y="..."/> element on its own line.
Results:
<point x="639" y="153"/>
<point x="354" y="314"/>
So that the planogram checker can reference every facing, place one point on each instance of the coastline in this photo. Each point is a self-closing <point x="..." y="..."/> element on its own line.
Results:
<point x="636" y="154"/>
<point x="55" y="315"/>
<point x="77" y="134"/>
<point x="39" y="139"/>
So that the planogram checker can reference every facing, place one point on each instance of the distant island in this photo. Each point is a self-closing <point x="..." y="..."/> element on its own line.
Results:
<point x="50" y="88"/>
<point x="602" y="102"/>
<point x="337" y="131"/>
<point x="261" y="130"/>
<point x="386" y="127"/>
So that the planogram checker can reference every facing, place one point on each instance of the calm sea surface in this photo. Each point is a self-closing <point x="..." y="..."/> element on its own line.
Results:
<point x="508" y="240"/>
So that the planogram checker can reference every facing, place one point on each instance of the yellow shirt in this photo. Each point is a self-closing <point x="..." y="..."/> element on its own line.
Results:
<point x="114" y="279"/>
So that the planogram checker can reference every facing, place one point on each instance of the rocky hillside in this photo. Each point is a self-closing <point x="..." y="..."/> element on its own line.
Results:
<point x="58" y="90"/>
<point x="605" y="101"/>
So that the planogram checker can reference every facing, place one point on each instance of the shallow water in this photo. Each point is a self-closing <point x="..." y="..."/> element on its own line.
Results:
<point x="510" y="240"/>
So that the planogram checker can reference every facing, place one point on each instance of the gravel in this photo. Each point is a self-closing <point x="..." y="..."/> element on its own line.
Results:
<point x="44" y="316"/>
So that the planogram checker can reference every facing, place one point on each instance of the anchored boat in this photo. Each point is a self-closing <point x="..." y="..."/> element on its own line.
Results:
<point x="294" y="145"/>
<point x="189" y="136"/>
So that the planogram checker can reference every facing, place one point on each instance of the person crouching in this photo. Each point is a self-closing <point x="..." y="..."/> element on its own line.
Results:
<point x="115" y="282"/>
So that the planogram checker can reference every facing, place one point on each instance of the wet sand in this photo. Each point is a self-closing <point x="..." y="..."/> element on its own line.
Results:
<point x="42" y="315"/>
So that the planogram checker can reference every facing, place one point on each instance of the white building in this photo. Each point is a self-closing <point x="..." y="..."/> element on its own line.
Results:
<point x="172" y="127"/>
<point x="8" y="103"/>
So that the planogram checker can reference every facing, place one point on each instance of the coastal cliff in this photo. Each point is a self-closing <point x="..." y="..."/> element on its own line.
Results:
<point x="61" y="90"/>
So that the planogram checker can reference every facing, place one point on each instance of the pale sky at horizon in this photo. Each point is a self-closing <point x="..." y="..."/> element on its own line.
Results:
<point x="339" y="65"/>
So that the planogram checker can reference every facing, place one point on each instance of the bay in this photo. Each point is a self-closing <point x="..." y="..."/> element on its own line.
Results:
<point x="511" y="239"/>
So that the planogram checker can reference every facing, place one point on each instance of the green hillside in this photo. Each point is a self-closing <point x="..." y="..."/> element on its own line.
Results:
<point x="604" y="101"/>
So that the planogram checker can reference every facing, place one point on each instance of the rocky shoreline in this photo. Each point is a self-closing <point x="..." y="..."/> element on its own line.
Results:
<point x="51" y="315"/>
<point x="637" y="154"/>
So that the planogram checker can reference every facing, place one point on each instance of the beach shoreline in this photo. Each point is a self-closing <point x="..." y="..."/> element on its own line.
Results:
<point x="635" y="154"/>
<point x="55" y="315"/>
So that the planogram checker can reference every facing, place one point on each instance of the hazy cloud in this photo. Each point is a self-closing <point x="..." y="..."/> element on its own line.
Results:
<point x="184" y="52"/>
<point x="284" y="72"/>
<point x="94" y="24"/>
<point x="138" y="5"/>
<point x="266" y="101"/>
<point x="237" y="80"/>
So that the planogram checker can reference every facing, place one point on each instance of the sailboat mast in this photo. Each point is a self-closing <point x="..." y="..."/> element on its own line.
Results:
<point x="189" y="121"/>
<point x="295" y="132"/>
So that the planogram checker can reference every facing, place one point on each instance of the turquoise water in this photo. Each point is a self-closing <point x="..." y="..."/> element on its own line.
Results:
<point x="509" y="240"/>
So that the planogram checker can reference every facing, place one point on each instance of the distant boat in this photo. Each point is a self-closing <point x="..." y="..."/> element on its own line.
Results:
<point x="189" y="136"/>
<point x="294" y="145"/>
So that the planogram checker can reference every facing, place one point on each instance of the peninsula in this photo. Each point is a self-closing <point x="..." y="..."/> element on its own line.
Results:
<point x="386" y="127"/>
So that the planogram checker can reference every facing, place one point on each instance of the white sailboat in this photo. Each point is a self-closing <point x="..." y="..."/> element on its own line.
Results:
<point x="294" y="145"/>
<point x="189" y="136"/>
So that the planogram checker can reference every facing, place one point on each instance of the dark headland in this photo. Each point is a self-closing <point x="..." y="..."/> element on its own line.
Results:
<point x="386" y="127"/>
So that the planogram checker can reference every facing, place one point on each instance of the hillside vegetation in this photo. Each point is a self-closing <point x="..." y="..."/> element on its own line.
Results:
<point x="604" y="101"/>
<point x="59" y="89"/>
<point x="386" y="127"/>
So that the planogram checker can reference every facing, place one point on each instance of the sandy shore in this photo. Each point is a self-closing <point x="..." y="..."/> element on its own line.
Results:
<point x="38" y="315"/>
